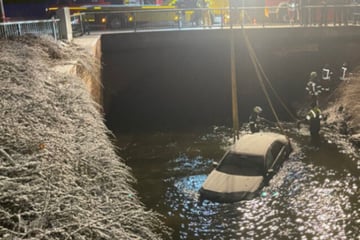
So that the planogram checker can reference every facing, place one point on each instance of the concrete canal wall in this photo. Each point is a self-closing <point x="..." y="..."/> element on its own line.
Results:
<point x="180" y="78"/>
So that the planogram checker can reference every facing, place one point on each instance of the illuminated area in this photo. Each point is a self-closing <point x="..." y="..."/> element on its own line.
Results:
<point x="169" y="105"/>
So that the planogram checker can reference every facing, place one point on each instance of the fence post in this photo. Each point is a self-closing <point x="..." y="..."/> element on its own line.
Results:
<point x="19" y="29"/>
<point x="5" y="31"/>
<point x="65" y="23"/>
<point x="53" y="26"/>
<point x="82" y="24"/>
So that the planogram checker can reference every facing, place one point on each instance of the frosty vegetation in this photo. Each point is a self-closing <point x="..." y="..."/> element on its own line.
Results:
<point x="60" y="177"/>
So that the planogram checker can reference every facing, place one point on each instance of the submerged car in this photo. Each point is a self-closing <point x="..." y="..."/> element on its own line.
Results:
<point x="246" y="167"/>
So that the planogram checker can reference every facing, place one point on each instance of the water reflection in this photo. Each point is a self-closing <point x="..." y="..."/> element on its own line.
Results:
<point x="313" y="196"/>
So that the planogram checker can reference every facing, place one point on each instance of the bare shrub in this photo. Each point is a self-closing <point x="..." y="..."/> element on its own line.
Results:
<point x="60" y="177"/>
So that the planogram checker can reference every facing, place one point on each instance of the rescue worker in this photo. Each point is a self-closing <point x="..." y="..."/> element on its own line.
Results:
<point x="313" y="87"/>
<point x="314" y="117"/>
<point x="255" y="119"/>
<point x="344" y="74"/>
<point x="326" y="72"/>
<point x="326" y="77"/>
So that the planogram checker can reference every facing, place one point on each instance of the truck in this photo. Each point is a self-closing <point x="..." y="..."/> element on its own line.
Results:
<point x="105" y="14"/>
<point x="122" y="14"/>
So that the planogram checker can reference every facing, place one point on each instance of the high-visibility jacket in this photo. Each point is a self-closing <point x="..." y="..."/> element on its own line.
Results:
<point x="313" y="88"/>
<point x="325" y="74"/>
<point x="314" y="113"/>
<point x="314" y="116"/>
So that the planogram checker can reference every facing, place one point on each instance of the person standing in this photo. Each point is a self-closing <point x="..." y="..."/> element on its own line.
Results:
<point x="344" y="72"/>
<point x="255" y="119"/>
<point x="326" y="72"/>
<point x="313" y="87"/>
<point x="326" y="77"/>
<point x="293" y="11"/>
<point x="314" y="118"/>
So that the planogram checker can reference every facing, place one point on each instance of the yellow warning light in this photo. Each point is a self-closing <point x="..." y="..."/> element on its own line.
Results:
<point x="176" y="18"/>
<point x="97" y="8"/>
<point x="103" y="20"/>
<point x="227" y="18"/>
<point x="130" y="18"/>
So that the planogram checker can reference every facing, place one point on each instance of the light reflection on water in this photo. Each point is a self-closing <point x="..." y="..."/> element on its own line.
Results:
<point x="315" y="195"/>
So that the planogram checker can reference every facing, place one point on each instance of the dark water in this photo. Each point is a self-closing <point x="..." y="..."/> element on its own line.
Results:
<point x="315" y="195"/>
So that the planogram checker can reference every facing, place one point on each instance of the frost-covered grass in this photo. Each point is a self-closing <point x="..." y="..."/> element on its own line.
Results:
<point x="60" y="177"/>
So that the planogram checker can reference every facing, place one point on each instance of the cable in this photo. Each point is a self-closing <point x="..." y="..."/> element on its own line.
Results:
<point x="272" y="89"/>
<point x="259" y="72"/>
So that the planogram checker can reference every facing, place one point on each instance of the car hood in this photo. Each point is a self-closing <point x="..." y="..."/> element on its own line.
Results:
<point x="226" y="183"/>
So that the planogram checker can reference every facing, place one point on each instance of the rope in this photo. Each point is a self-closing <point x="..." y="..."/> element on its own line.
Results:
<point x="268" y="81"/>
<point x="259" y="72"/>
<point x="273" y="90"/>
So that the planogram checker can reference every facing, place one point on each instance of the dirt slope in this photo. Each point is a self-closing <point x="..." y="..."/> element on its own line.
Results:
<point x="343" y="108"/>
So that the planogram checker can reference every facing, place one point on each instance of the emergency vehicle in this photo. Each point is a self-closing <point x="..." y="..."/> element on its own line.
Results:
<point x="107" y="14"/>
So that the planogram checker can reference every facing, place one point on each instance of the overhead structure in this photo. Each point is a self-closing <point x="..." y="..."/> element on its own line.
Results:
<point x="2" y="11"/>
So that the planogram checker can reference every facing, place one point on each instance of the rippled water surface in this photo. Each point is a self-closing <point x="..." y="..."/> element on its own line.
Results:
<point x="315" y="195"/>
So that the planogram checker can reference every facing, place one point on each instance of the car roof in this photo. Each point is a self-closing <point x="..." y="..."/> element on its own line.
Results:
<point x="257" y="143"/>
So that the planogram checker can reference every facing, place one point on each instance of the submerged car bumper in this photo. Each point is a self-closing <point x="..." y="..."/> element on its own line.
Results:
<point x="226" y="197"/>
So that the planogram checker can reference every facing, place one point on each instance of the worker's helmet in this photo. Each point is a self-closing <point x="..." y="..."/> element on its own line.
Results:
<point x="257" y="109"/>
<point x="313" y="74"/>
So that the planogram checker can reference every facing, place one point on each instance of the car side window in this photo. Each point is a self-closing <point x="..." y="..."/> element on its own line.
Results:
<point x="275" y="150"/>
<point x="269" y="159"/>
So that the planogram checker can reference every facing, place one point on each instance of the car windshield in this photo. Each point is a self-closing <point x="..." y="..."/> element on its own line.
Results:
<point x="237" y="164"/>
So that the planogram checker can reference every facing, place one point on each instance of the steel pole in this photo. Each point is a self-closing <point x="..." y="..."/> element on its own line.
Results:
<point x="235" y="113"/>
<point x="2" y="11"/>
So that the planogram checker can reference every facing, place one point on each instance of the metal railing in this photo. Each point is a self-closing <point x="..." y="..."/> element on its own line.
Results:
<point x="235" y="16"/>
<point x="37" y="27"/>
